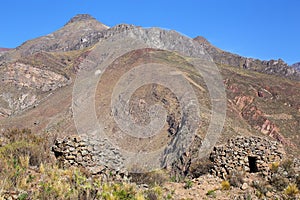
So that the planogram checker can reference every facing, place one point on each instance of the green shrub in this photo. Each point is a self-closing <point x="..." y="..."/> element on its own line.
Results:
<point x="23" y="196"/>
<point x="188" y="184"/>
<point x="211" y="193"/>
<point x="118" y="191"/>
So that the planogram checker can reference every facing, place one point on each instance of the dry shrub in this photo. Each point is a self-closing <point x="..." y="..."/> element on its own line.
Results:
<point x="291" y="190"/>
<point x="279" y="182"/>
<point x="236" y="178"/>
<point x="287" y="166"/>
<point x="200" y="167"/>
<point x="274" y="167"/>
<point x="21" y="150"/>
<point x="261" y="187"/>
<point x="225" y="185"/>
<point x="151" y="178"/>
<point x="154" y="193"/>
<point x="23" y="143"/>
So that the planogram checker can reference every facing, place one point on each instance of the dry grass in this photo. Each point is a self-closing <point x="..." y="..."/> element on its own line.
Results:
<point x="26" y="170"/>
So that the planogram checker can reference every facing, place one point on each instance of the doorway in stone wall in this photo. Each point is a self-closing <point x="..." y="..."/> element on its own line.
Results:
<point x="253" y="164"/>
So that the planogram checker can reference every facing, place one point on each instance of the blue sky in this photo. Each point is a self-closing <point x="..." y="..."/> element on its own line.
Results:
<point x="264" y="29"/>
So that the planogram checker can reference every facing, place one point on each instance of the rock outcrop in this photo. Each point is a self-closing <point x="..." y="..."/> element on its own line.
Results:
<point x="296" y="66"/>
<point x="24" y="85"/>
<point x="79" y="18"/>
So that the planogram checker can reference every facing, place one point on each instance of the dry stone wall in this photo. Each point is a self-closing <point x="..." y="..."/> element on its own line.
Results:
<point x="246" y="154"/>
<point x="97" y="155"/>
<point x="243" y="154"/>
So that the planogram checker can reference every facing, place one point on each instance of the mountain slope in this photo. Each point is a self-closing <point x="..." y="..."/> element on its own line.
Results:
<point x="37" y="81"/>
<point x="3" y="51"/>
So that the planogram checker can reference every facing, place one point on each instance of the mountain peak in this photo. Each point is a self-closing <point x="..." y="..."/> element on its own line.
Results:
<point x="202" y="40"/>
<point x="80" y="17"/>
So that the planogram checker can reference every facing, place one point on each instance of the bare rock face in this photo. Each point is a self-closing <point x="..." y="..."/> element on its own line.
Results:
<point x="23" y="86"/>
<point x="296" y="66"/>
<point x="22" y="75"/>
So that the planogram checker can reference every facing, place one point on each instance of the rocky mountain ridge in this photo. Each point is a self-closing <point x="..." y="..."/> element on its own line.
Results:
<point x="84" y="31"/>
<point x="275" y="67"/>
<point x="296" y="66"/>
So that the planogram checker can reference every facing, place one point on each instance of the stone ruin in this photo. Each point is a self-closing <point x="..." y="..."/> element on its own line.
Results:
<point x="246" y="154"/>
<point x="243" y="154"/>
<point x="94" y="154"/>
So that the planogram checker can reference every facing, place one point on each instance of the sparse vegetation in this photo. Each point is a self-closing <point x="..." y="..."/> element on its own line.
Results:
<point x="26" y="169"/>
<point x="151" y="178"/>
<point x="291" y="190"/>
<point x="261" y="188"/>
<point x="274" y="167"/>
<point x="201" y="167"/>
<point x="236" y="178"/>
<point x="279" y="182"/>
<point x="225" y="185"/>
<point x="287" y="166"/>
<point x="283" y="174"/>
<point x="188" y="184"/>
<point x="211" y="193"/>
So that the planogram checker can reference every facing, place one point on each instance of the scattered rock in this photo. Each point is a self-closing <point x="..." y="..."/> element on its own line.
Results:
<point x="244" y="186"/>
<point x="269" y="194"/>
